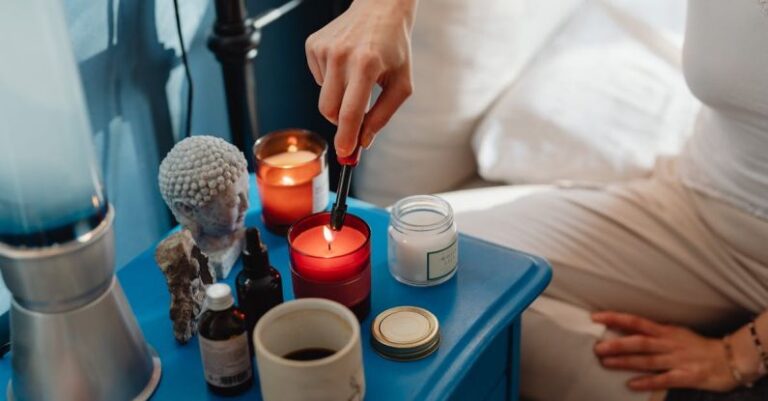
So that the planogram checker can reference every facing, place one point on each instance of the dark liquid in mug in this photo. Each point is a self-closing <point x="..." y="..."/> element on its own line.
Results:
<point x="309" y="354"/>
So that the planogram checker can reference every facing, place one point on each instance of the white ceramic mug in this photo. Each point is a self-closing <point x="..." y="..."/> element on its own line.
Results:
<point x="309" y="323"/>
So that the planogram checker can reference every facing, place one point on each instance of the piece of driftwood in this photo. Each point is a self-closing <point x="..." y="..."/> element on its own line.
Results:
<point x="187" y="274"/>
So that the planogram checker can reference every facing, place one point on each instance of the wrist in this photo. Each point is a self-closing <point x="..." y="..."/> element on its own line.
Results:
<point x="405" y="9"/>
<point x="745" y="357"/>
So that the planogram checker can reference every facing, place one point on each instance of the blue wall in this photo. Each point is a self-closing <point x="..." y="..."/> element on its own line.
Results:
<point x="128" y="53"/>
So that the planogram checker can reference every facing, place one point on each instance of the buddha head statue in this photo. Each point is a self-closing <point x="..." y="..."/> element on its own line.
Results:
<point x="204" y="181"/>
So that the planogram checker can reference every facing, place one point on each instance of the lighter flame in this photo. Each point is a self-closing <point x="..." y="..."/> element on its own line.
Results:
<point x="328" y="234"/>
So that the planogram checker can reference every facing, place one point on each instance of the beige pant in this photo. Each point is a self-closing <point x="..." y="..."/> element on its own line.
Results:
<point x="650" y="247"/>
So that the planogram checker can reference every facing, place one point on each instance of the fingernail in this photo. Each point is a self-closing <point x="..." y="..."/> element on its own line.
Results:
<point x="368" y="139"/>
<point x="602" y="346"/>
<point x="598" y="316"/>
<point x="635" y="384"/>
<point x="341" y="148"/>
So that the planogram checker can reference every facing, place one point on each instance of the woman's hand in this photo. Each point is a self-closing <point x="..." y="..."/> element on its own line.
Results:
<point x="368" y="44"/>
<point x="670" y="356"/>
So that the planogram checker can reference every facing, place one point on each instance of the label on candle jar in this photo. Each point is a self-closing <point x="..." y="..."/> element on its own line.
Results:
<point x="443" y="262"/>
<point x="320" y="191"/>
<point x="226" y="363"/>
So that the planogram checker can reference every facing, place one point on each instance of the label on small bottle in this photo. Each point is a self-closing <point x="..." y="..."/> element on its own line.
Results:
<point x="227" y="363"/>
<point x="443" y="262"/>
<point x="320" y="191"/>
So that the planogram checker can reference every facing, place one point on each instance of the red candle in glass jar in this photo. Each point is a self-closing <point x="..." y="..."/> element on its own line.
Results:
<point x="333" y="252"/>
<point x="292" y="176"/>
<point x="331" y="264"/>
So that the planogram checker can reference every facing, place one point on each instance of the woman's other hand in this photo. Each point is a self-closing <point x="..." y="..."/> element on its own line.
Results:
<point x="669" y="356"/>
<point x="368" y="44"/>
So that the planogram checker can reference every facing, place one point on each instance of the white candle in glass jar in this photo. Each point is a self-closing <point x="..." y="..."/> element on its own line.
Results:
<point x="423" y="241"/>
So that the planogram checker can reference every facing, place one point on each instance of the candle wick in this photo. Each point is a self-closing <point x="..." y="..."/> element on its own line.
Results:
<point x="329" y="247"/>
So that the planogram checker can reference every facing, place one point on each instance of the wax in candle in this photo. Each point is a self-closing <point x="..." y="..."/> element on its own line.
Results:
<point x="314" y="242"/>
<point x="291" y="158"/>
<point x="328" y="266"/>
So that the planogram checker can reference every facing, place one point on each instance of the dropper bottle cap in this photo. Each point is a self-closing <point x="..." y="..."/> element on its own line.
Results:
<point x="255" y="255"/>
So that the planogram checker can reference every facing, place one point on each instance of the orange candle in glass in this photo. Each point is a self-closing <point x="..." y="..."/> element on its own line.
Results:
<point x="292" y="176"/>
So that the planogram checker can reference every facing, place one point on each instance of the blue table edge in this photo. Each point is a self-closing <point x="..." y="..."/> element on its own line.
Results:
<point x="533" y="284"/>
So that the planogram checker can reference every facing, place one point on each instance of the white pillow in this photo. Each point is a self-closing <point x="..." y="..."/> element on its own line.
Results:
<point x="464" y="53"/>
<point x="599" y="103"/>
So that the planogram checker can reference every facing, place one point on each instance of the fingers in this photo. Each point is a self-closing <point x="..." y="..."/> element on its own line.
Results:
<point x="332" y="91"/>
<point x="635" y="344"/>
<point x="626" y="353"/>
<point x="629" y="323"/>
<point x="353" y="108"/>
<point x="388" y="102"/>
<point x="672" y="379"/>
<point x="312" y="60"/>
<point x="640" y="363"/>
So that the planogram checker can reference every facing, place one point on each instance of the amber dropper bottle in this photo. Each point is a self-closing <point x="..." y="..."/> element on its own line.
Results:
<point x="224" y="343"/>
<point x="259" y="286"/>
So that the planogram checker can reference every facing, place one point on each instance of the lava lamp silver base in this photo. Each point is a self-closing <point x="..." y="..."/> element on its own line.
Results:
<point x="73" y="334"/>
<point x="96" y="352"/>
<point x="143" y="396"/>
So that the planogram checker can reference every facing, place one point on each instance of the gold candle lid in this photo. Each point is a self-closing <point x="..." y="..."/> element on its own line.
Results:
<point x="405" y="333"/>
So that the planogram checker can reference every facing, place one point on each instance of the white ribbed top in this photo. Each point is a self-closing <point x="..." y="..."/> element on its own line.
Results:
<point x="726" y="66"/>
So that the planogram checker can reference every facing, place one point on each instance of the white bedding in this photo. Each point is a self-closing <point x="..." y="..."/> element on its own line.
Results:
<point x="599" y="103"/>
<point x="469" y="56"/>
<point x="465" y="53"/>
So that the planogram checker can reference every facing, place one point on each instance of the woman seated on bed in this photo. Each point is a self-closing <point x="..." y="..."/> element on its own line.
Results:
<point x="658" y="260"/>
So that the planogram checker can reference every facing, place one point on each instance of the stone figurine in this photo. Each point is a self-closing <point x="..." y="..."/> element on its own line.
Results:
<point x="204" y="181"/>
<point x="187" y="274"/>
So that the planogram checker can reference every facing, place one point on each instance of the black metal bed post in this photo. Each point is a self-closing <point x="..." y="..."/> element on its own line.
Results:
<point x="235" y="42"/>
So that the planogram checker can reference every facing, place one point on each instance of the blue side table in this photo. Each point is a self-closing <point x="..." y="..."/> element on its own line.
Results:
<point x="479" y="312"/>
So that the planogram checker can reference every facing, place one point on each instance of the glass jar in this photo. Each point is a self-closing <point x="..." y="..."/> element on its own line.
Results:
<point x="292" y="176"/>
<point x="423" y="241"/>
<point x="335" y="265"/>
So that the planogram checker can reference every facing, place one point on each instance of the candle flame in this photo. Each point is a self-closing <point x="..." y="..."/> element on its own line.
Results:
<point x="287" y="180"/>
<point x="328" y="234"/>
<point x="293" y="148"/>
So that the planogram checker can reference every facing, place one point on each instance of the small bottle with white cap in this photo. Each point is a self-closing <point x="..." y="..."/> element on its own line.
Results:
<point x="224" y="343"/>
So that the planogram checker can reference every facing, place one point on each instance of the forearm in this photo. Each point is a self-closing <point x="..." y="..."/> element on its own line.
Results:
<point x="403" y="8"/>
<point x="746" y="356"/>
